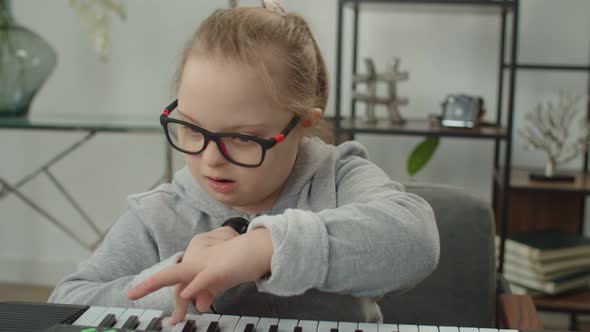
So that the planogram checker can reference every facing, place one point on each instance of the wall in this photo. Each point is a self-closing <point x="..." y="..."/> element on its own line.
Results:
<point x="445" y="49"/>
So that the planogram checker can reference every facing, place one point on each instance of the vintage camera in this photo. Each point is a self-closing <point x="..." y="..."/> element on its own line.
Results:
<point x="462" y="111"/>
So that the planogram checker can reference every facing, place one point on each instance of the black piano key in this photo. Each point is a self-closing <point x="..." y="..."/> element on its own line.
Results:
<point x="190" y="326"/>
<point x="108" y="321"/>
<point x="358" y="330"/>
<point x="131" y="323"/>
<point x="333" y="330"/>
<point x="298" y="329"/>
<point x="249" y="327"/>
<point x="155" y="324"/>
<point x="273" y="328"/>
<point x="213" y="327"/>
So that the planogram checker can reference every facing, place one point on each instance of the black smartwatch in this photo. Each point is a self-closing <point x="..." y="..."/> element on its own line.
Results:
<point x="239" y="224"/>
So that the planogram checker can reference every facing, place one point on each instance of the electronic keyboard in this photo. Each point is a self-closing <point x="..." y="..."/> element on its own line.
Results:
<point x="46" y="317"/>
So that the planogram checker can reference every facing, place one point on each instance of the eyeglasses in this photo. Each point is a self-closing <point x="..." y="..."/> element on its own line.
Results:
<point x="239" y="149"/>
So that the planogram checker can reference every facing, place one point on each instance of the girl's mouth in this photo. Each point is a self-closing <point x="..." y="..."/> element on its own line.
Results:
<point x="221" y="185"/>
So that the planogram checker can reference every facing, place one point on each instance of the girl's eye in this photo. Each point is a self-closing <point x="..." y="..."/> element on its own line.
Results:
<point x="241" y="139"/>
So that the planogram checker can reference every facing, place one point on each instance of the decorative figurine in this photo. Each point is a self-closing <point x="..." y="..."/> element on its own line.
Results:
<point x="549" y="128"/>
<point x="392" y="101"/>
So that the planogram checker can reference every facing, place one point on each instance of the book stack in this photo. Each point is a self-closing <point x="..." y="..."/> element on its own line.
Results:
<point x="546" y="262"/>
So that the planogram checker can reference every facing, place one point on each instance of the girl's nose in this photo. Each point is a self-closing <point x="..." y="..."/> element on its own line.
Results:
<point x="212" y="156"/>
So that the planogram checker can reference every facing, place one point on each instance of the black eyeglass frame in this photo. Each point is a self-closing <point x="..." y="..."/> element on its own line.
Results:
<point x="264" y="143"/>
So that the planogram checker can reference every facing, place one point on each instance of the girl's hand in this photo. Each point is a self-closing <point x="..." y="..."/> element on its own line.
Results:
<point x="213" y="262"/>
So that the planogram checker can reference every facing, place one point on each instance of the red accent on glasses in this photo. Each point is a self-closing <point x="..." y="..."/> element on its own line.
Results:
<point x="166" y="112"/>
<point x="279" y="138"/>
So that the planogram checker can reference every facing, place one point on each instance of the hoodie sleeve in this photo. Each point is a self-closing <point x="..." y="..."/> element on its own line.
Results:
<point x="378" y="239"/>
<point x="127" y="256"/>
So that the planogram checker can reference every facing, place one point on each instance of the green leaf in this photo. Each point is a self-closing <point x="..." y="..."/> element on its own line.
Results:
<point x="422" y="154"/>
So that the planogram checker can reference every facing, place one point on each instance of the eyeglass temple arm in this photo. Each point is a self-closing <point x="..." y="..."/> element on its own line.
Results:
<point x="280" y="137"/>
<point x="170" y="107"/>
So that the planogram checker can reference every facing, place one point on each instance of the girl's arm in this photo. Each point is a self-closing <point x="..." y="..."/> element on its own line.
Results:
<point x="127" y="256"/>
<point x="378" y="239"/>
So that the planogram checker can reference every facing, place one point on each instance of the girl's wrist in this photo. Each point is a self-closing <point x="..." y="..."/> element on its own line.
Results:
<point x="262" y="248"/>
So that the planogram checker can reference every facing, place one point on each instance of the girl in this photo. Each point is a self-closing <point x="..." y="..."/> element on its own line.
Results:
<point x="328" y="232"/>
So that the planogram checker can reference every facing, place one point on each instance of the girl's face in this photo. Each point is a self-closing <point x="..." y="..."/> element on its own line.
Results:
<point x="229" y="97"/>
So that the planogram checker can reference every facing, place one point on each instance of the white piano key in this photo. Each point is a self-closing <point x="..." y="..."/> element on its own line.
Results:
<point x="489" y="330"/>
<point x="227" y="323"/>
<point x="112" y="310"/>
<point x="407" y="328"/>
<point x="448" y="329"/>
<point x="347" y="326"/>
<point x="387" y="327"/>
<point x="508" y="330"/>
<point x="204" y="320"/>
<point x="129" y="312"/>
<point x="308" y="325"/>
<point x="468" y="329"/>
<point x="427" y="328"/>
<point x="245" y="320"/>
<point x="147" y="317"/>
<point x="369" y="327"/>
<point x="286" y="325"/>
<point x="265" y="323"/>
<point x="166" y="327"/>
<point x="326" y="326"/>
<point x="89" y="316"/>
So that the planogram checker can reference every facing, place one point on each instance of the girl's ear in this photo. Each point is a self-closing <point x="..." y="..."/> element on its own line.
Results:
<point x="313" y="115"/>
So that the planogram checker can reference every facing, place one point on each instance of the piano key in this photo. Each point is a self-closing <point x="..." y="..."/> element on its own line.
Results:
<point x="308" y="325"/>
<point x="298" y="329"/>
<point x="90" y="316"/>
<point x="154" y="324"/>
<point x="368" y="327"/>
<point x="326" y="326"/>
<point x="108" y="321"/>
<point x="227" y="323"/>
<point x="112" y="310"/>
<point x="286" y="325"/>
<point x="189" y="326"/>
<point x="347" y="327"/>
<point x="388" y="327"/>
<point x="146" y="318"/>
<point x="213" y="327"/>
<point x="468" y="329"/>
<point x="448" y="329"/>
<point x="407" y="328"/>
<point x="125" y="316"/>
<point x="244" y="321"/>
<point x="488" y="330"/>
<point x="508" y="330"/>
<point x="204" y="320"/>
<point x="427" y="328"/>
<point x="264" y="324"/>
<point x="130" y="323"/>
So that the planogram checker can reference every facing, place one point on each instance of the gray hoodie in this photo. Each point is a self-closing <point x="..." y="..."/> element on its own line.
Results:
<point x="343" y="235"/>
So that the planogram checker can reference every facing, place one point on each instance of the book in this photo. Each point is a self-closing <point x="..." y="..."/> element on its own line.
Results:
<point x="524" y="272"/>
<point x="555" y="286"/>
<point x="548" y="267"/>
<point x="547" y="244"/>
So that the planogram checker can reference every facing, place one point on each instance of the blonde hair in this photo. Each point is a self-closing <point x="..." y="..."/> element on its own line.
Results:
<point x="271" y="42"/>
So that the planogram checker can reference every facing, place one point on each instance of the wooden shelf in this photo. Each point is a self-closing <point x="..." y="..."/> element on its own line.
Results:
<point x="419" y="127"/>
<point x="507" y="3"/>
<point x="520" y="181"/>
<point x="575" y="301"/>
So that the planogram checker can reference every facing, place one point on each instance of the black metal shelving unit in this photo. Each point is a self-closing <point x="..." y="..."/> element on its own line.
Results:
<point x="500" y="132"/>
<point x="496" y="132"/>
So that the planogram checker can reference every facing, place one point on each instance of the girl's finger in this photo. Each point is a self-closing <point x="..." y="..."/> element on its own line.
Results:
<point x="206" y="280"/>
<point x="169" y="276"/>
<point x="180" y="305"/>
<point x="204" y="301"/>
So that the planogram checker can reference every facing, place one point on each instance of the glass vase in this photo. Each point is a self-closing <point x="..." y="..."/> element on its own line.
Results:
<point x="26" y="61"/>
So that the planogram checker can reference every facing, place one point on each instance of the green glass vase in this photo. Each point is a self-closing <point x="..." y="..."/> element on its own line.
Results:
<point x="26" y="61"/>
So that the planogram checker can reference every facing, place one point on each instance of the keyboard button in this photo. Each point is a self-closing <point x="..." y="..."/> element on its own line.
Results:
<point x="108" y="321"/>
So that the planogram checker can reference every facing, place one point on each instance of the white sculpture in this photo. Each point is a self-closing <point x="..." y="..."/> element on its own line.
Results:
<point x="550" y="129"/>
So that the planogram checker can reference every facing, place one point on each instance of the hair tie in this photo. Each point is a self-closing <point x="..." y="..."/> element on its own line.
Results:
<point x="275" y="6"/>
